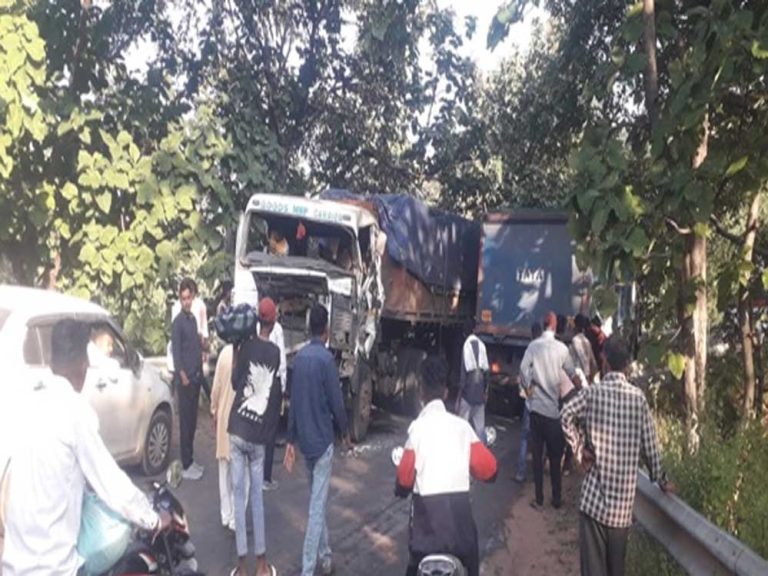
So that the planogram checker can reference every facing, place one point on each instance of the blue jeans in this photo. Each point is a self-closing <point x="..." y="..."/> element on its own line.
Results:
<point x="248" y="458"/>
<point x="316" y="539"/>
<point x="521" y="457"/>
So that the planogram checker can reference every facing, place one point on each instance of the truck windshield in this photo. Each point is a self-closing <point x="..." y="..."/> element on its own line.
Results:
<point x="287" y="236"/>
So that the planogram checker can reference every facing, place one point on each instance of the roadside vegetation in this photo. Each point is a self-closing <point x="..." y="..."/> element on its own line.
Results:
<point x="132" y="133"/>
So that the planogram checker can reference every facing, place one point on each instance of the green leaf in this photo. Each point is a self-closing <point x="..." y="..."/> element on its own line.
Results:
<point x="636" y="63"/>
<point x="736" y="166"/>
<point x="88" y="254"/>
<point x="90" y="179"/>
<point x="126" y="282"/>
<point x="185" y="196"/>
<point x="586" y="199"/>
<point x="37" y="127"/>
<point x="701" y="229"/>
<point x="635" y="9"/>
<point x="637" y="241"/>
<point x="164" y="250"/>
<point x="765" y="279"/>
<point x="36" y="50"/>
<point x="758" y="51"/>
<point x="676" y="364"/>
<point x="104" y="201"/>
<point x="84" y="160"/>
<point x="69" y="191"/>
<point x="599" y="220"/>
<point x="123" y="138"/>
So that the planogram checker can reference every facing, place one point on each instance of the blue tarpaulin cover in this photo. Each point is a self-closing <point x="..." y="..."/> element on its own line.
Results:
<point x="439" y="248"/>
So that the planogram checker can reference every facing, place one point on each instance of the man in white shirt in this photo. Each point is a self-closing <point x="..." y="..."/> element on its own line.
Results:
<point x="541" y="372"/>
<point x="277" y="338"/>
<point x="56" y="450"/>
<point x="581" y="351"/>
<point x="472" y="382"/>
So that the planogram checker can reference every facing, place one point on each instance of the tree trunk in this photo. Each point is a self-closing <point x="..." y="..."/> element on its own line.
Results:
<point x="695" y="325"/>
<point x="685" y="318"/>
<point x="745" y="313"/>
<point x="759" y="369"/>
<point x="651" y="76"/>
<point x="700" y="315"/>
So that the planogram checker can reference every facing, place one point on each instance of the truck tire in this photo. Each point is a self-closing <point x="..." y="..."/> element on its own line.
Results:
<point x="409" y="363"/>
<point x="362" y="400"/>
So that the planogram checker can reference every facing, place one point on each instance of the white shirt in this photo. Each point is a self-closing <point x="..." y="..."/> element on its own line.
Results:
<point x="470" y="362"/>
<point x="56" y="449"/>
<point x="277" y="338"/>
<point x="442" y="443"/>
<point x="541" y="370"/>
<point x="583" y="357"/>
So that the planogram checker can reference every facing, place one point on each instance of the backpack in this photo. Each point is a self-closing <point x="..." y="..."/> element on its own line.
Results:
<point x="236" y="323"/>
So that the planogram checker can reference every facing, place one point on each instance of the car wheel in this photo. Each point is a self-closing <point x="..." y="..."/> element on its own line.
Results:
<point x="157" y="446"/>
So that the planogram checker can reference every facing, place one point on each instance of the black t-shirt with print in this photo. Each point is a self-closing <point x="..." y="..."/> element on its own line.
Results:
<point x="256" y="409"/>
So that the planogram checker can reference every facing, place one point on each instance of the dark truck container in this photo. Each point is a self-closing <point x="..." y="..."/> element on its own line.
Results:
<point x="527" y="268"/>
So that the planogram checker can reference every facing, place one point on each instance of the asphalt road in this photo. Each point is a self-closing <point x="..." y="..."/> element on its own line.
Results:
<point x="368" y="525"/>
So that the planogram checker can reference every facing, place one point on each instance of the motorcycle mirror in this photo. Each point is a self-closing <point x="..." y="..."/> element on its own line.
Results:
<point x="397" y="455"/>
<point x="490" y="435"/>
<point x="173" y="475"/>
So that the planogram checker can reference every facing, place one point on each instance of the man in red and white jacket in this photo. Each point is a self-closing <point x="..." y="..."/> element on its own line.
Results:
<point x="441" y="453"/>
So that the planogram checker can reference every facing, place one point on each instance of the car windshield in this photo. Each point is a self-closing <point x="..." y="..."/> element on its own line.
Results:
<point x="4" y="314"/>
<point x="287" y="236"/>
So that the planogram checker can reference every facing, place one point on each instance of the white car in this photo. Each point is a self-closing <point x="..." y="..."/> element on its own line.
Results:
<point x="133" y="403"/>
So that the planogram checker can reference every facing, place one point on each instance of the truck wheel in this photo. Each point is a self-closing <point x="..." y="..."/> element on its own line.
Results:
<point x="409" y="373"/>
<point x="362" y="400"/>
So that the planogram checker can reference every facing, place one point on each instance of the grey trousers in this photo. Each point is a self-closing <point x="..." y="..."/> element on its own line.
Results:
<point x="601" y="547"/>
<point x="475" y="415"/>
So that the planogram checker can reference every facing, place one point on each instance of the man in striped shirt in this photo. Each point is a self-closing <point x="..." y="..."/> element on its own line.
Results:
<point x="610" y="428"/>
<point x="441" y="453"/>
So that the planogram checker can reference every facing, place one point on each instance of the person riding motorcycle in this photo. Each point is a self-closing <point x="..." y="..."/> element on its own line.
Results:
<point x="441" y="453"/>
<point x="57" y="449"/>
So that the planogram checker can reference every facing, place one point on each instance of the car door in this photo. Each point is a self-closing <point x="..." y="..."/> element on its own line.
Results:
<point x="112" y="389"/>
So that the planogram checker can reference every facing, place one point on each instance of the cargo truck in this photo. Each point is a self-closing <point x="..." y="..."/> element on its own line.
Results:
<point x="527" y="268"/>
<point x="399" y="281"/>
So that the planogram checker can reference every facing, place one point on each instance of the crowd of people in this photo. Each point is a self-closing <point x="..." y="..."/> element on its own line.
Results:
<point x="577" y="399"/>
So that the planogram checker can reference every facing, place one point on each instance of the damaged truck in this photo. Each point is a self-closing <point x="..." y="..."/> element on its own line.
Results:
<point x="398" y="278"/>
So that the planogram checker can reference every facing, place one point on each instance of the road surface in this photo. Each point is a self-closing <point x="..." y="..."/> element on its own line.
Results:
<point x="368" y="525"/>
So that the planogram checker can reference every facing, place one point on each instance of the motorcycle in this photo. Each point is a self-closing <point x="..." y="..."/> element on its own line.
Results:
<point x="170" y="553"/>
<point x="441" y="564"/>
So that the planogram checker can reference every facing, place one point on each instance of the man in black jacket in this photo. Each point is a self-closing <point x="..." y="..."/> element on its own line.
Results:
<point x="188" y="365"/>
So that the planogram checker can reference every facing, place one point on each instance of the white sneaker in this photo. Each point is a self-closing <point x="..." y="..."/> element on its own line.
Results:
<point x="326" y="566"/>
<point x="197" y="466"/>
<point x="192" y="473"/>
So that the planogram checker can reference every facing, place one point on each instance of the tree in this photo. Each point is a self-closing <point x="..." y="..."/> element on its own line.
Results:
<point x="102" y="194"/>
<point x="673" y="145"/>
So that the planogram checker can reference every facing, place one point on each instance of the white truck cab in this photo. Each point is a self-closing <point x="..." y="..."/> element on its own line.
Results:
<point x="300" y="251"/>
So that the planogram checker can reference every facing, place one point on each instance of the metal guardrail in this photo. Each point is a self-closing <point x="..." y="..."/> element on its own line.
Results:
<point x="698" y="546"/>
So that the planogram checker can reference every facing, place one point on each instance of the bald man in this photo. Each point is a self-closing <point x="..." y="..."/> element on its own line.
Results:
<point x="541" y="371"/>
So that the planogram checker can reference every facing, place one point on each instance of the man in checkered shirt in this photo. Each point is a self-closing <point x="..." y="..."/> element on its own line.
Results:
<point x="610" y="427"/>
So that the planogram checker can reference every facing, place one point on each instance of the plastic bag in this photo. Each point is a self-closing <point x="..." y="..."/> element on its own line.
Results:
<point x="104" y="536"/>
